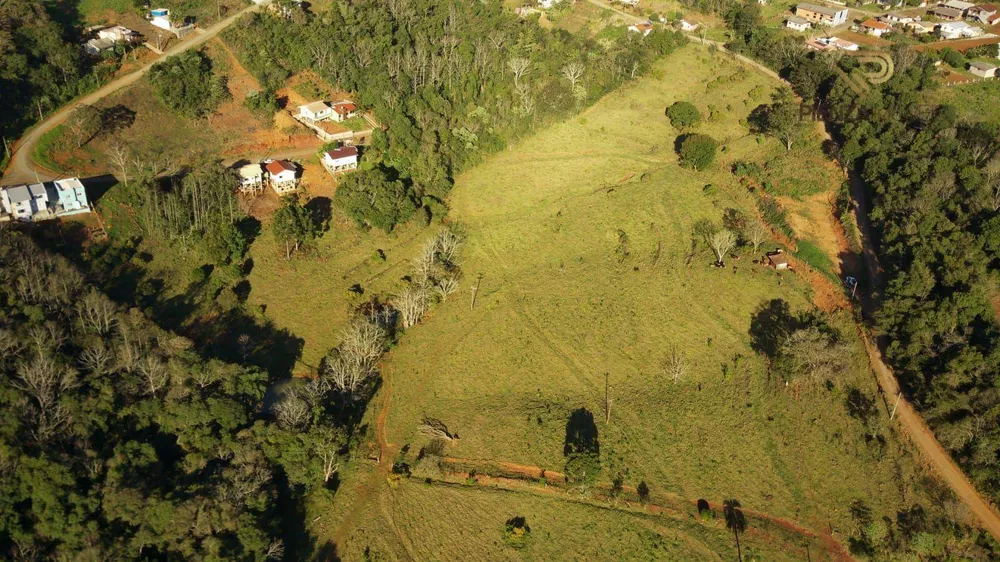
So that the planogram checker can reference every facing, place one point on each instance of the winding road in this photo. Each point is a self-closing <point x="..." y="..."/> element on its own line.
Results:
<point x="22" y="169"/>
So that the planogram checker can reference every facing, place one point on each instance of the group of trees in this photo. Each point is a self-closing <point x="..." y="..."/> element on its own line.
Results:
<point x="696" y="151"/>
<point x="449" y="80"/>
<point x="186" y="84"/>
<point x="41" y="64"/>
<point x="737" y="229"/>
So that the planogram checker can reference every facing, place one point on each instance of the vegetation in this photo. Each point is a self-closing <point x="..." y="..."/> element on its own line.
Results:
<point x="683" y="115"/>
<point x="373" y="199"/>
<point x="186" y="84"/>
<point x="697" y="151"/>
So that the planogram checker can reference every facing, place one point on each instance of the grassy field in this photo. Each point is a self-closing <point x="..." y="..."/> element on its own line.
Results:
<point x="581" y="239"/>
<point x="975" y="102"/>
<point x="420" y="521"/>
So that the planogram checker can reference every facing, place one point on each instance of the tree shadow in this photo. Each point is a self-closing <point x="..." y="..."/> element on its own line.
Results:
<point x="97" y="186"/>
<point x="320" y="212"/>
<point x="770" y="324"/>
<point x="581" y="433"/>
<point x="236" y="336"/>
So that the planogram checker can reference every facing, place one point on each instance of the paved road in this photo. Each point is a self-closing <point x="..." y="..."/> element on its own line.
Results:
<point x="22" y="169"/>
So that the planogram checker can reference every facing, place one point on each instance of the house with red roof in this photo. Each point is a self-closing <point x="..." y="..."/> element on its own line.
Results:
<point x="871" y="26"/>
<point x="282" y="175"/>
<point x="343" y="110"/>
<point x="340" y="159"/>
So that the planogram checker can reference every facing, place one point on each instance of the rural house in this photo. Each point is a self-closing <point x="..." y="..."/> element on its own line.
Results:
<point x="982" y="13"/>
<point x="821" y="14"/>
<point x="94" y="47"/>
<point x="70" y="197"/>
<point x="831" y="44"/>
<point x="118" y="34"/>
<point x="946" y="13"/>
<point x="777" y="260"/>
<point x="344" y="110"/>
<point x="341" y="159"/>
<point x="874" y="27"/>
<point x="983" y="69"/>
<point x="281" y="174"/>
<point x="958" y="30"/>
<point x="316" y="111"/>
<point x="688" y="26"/>
<point x="43" y="201"/>
<point x="643" y="27"/>
<point x="960" y="5"/>
<point x="797" y="23"/>
<point x="251" y="179"/>
<point x="896" y="17"/>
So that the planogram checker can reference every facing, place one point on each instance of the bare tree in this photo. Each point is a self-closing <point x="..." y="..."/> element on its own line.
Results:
<point x="291" y="411"/>
<point x="520" y="66"/>
<point x="96" y="312"/>
<point x="44" y="382"/>
<point x="119" y="157"/>
<point x="527" y="106"/>
<point x="83" y="123"/>
<point x="448" y="244"/>
<point x="350" y="365"/>
<point x="424" y="264"/>
<point x="154" y="372"/>
<point x="275" y="550"/>
<point x="756" y="234"/>
<point x="993" y="179"/>
<point x="97" y="359"/>
<point x="411" y="304"/>
<point x="573" y="72"/>
<point x="675" y="365"/>
<point x="447" y="285"/>
<point x="327" y="444"/>
<point x="721" y="243"/>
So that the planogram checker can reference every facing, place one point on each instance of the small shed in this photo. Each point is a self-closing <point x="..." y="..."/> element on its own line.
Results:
<point x="983" y="69"/>
<point x="777" y="260"/>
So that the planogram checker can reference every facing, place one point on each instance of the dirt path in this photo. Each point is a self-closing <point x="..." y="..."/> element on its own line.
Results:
<point x="22" y="169"/>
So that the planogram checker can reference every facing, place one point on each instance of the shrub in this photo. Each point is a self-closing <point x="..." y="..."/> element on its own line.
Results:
<point x="683" y="115"/>
<point x="954" y="58"/>
<point x="262" y="104"/>
<point x="697" y="151"/>
<point x="516" y="532"/>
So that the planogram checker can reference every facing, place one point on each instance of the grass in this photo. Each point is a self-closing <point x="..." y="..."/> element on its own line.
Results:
<point x="558" y="310"/>
<point x="357" y="124"/>
<point x="420" y="521"/>
<point x="46" y="146"/>
<point x="975" y="102"/>
<point x="810" y="253"/>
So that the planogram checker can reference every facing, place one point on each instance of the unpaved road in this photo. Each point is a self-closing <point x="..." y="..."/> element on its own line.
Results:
<point x="22" y="169"/>
<point x="911" y="421"/>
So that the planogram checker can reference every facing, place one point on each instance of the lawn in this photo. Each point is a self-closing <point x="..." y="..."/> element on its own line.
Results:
<point x="975" y="102"/>
<point x="579" y="240"/>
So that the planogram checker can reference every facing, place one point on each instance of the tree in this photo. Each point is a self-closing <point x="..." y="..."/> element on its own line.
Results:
<point x="756" y="233"/>
<point x="83" y="123"/>
<point x="350" y="366"/>
<point x="119" y="156"/>
<point x="411" y="304"/>
<point x="187" y="84"/>
<point x="293" y="225"/>
<point x="812" y="352"/>
<point x="520" y="67"/>
<point x="683" y="115"/>
<point x="780" y="119"/>
<point x="373" y="198"/>
<point x="675" y="365"/>
<point x="721" y="243"/>
<point x="697" y="151"/>
<point x="573" y="72"/>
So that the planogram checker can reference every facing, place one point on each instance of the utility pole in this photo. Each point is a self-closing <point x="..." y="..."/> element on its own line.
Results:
<point x="6" y="148"/>
<point x="607" y="398"/>
<point x="475" y="291"/>
<point x="893" y="414"/>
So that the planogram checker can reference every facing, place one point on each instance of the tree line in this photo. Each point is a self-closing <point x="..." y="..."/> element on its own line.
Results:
<point x="448" y="80"/>
<point x="934" y="183"/>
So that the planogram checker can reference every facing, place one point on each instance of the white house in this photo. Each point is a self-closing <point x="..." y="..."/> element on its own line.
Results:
<point x="343" y="110"/>
<point x="547" y="4"/>
<point x="95" y="47"/>
<point x="831" y="44"/>
<point x="958" y="30"/>
<point x="982" y="13"/>
<point x="70" y="197"/>
<point x="316" y="111"/>
<point x="341" y="159"/>
<point x="797" y="23"/>
<point x="959" y="5"/>
<point x="16" y="202"/>
<point x="160" y="17"/>
<point x="251" y="179"/>
<point x="281" y="174"/>
<point x="643" y="27"/>
<point x="874" y="27"/>
<point x="983" y="69"/>
<point x="118" y="34"/>
<point x="688" y="26"/>
<point x="896" y="17"/>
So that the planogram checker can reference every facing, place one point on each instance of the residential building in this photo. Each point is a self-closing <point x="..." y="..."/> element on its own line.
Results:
<point x="946" y="13"/>
<point x="16" y="202"/>
<point x="982" y="13"/>
<point x="547" y="4"/>
<point x="644" y="28"/>
<point x="983" y="69"/>
<point x="251" y="179"/>
<point x="821" y="14"/>
<point x="343" y="110"/>
<point x="688" y="26"/>
<point x="341" y="159"/>
<point x="797" y="23"/>
<point x="959" y="5"/>
<point x="316" y="111"/>
<point x="918" y="27"/>
<point x="282" y="176"/>
<point x="958" y="30"/>
<point x="831" y="44"/>
<point x="777" y="260"/>
<point x="69" y="197"/>
<point x="94" y="47"/>
<point x="118" y="34"/>
<point x="160" y="17"/>
<point x="875" y="27"/>
<point x="897" y="17"/>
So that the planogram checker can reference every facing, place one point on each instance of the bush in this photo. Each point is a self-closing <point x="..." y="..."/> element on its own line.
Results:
<point x="262" y="104"/>
<point x="954" y="58"/>
<point x="186" y="84"/>
<point x="516" y="532"/>
<point x="683" y="115"/>
<point x="775" y="214"/>
<point x="697" y="151"/>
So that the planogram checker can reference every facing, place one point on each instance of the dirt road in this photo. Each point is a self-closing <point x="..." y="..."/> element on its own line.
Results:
<point x="911" y="421"/>
<point x="22" y="169"/>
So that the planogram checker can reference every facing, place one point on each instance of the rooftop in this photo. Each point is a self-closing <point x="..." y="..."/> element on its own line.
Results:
<point x="820" y="9"/>
<point x="947" y="12"/>
<point x="69" y="183"/>
<point x="982" y="65"/>
<point x="342" y="152"/>
<point x="874" y="24"/>
<point x="18" y="193"/>
<point x="279" y="166"/>
<point x="37" y="190"/>
<point x="959" y="4"/>
<point x="250" y="171"/>
<point x="315" y="106"/>
<point x="344" y="107"/>
<point x="797" y="20"/>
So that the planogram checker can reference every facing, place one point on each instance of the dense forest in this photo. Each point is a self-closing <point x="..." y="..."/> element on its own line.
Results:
<point x="934" y="182"/>
<point x="448" y="80"/>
